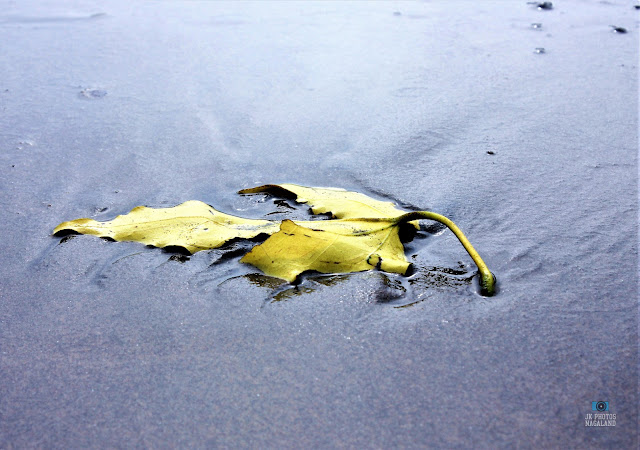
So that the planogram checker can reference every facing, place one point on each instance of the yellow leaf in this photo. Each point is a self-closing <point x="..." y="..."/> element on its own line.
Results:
<point x="192" y="225"/>
<point x="333" y="247"/>
<point x="365" y="235"/>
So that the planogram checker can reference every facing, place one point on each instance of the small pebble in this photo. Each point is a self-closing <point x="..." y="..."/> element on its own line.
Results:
<point x="93" y="93"/>
<point x="490" y="152"/>
<point x="539" y="50"/>
<point x="536" y="26"/>
<point x="618" y="29"/>
<point x="542" y="5"/>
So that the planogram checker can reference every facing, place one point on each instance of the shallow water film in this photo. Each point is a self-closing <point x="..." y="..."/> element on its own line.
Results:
<point x="519" y="123"/>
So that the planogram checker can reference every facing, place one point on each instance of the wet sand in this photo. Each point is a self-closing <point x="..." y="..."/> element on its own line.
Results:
<point x="435" y="105"/>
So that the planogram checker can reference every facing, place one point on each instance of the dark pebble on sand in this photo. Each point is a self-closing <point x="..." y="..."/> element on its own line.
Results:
<point x="542" y="5"/>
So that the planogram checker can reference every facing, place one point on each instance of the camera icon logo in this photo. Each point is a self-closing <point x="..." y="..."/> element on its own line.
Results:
<point x="600" y="406"/>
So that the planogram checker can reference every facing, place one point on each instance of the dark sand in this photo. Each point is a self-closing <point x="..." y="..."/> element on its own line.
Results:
<point x="106" y="107"/>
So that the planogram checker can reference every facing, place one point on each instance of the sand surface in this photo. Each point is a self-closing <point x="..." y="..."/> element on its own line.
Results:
<point x="435" y="105"/>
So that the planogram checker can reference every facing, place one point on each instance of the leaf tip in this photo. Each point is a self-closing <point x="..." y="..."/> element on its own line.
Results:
<point x="71" y="225"/>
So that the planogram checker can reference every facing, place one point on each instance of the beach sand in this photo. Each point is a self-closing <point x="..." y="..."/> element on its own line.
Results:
<point x="445" y="106"/>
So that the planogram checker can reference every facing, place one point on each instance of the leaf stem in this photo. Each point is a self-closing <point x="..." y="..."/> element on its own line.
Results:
<point x="487" y="279"/>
